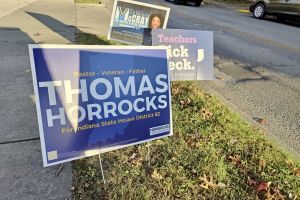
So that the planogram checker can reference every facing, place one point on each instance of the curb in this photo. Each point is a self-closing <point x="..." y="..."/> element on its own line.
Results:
<point x="269" y="136"/>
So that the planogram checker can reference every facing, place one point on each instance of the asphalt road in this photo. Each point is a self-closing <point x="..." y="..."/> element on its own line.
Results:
<point x="257" y="65"/>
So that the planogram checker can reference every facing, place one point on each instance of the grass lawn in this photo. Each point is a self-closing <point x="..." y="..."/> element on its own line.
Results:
<point x="213" y="154"/>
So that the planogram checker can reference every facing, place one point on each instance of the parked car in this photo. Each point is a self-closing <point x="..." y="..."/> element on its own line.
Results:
<point x="196" y="2"/>
<point x="283" y="9"/>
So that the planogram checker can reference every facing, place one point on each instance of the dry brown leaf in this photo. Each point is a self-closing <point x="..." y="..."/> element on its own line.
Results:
<point x="262" y="121"/>
<point x="192" y="143"/>
<point x="275" y="196"/>
<point x="297" y="171"/>
<point x="207" y="182"/>
<point x="137" y="162"/>
<point x="236" y="159"/>
<point x="270" y="196"/>
<point x="175" y="91"/>
<point x="156" y="176"/>
<point x="262" y="164"/>
<point x="134" y="159"/>
<point x="37" y="34"/>
<point x="205" y="113"/>
<point x="259" y="185"/>
<point x="184" y="103"/>
<point x="262" y="186"/>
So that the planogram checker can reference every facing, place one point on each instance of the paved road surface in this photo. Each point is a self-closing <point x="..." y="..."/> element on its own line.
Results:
<point x="257" y="64"/>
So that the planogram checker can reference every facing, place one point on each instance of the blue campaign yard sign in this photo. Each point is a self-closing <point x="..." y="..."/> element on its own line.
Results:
<point x="93" y="99"/>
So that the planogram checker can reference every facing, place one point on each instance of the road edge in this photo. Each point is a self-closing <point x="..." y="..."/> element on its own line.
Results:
<point x="270" y="136"/>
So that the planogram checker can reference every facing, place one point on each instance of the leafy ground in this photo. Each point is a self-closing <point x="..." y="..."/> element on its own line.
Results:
<point x="213" y="154"/>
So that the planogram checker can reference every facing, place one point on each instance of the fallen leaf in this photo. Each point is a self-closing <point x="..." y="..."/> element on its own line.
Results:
<point x="262" y="164"/>
<point x="175" y="91"/>
<point x="276" y="194"/>
<point x="207" y="182"/>
<point x="185" y="103"/>
<point x="182" y="103"/>
<point x="270" y="196"/>
<point x="259" y="185"/>
<point x="297" y="171"/>
<point x="133" y="156"/>
<point x="137" y="162"/>
<point x="236" y="159"/>
<point x="262" y="186"/>
<point x="37" y="34"/>
<point x="156" y="176"/>
<point x="192" y="143"/>
<point x="205" y="113"/>
<point x="261" y="121"/>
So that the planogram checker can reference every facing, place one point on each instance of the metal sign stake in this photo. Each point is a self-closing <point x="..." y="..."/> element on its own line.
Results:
<point x="102" y="172"/>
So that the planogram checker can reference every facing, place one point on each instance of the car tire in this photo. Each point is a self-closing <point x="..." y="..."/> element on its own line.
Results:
<point x="198" y="3"/>
<point x="259" y="11"/>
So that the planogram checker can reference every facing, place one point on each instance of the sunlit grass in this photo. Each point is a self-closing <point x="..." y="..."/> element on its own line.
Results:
<point x="213" y="154"/>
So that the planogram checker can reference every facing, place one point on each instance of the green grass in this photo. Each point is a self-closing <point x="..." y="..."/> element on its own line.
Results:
<point x="213" y="154"/>
<point x="90" y="39"/>
<point x="88" y="1"/>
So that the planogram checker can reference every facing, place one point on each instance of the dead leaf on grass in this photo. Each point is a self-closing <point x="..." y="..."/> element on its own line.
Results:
<point x="135" y="160"/>
<point x="184" y="103"/>
<point x="236" y="159"/>
<point x="192" y="143"/>
<point x="259" y="185"/>
<point x="208" y="182"/>
<point x="175" y="91"/>
<point x="274" y="194"/>
<point x="262" y="186"/>
<point x="156" y="176"/>
<point x="262" y="164"/>
<point x="205" y="113"/>
<point x="297" y="171"/>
